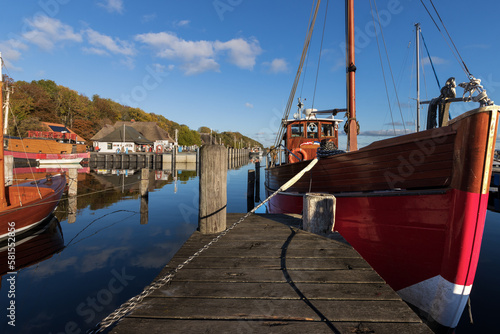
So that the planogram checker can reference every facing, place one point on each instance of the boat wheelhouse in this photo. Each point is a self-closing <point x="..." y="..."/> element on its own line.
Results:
<point x="304" y="135"/>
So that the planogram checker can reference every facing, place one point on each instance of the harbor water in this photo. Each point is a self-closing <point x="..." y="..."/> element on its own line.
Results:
<point x="108" y="243"/>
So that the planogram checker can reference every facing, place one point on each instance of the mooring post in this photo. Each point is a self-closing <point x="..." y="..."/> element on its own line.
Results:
<point x="8" y="162"/>
<point x="144" y="190"/>
<point x="72" y="194"/>
<point x="213" y="189"/>
<point x="250" y="189"/>
<point x="73" y="181"/>
<point x="318" y="214"/>
<point x="174" y="157"/>
<point x="257" y="181"/>
<point x="144" y="181"/>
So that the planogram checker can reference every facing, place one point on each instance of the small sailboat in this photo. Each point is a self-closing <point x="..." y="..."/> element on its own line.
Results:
<point x="413" y="206"/>
<point x="25" y="205"/>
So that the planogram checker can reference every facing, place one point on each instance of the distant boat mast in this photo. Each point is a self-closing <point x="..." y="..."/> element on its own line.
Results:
<point x="417" y="46"/>
<point x="3" y="200"/>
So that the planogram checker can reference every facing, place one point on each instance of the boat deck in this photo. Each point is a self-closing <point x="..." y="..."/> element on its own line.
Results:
<point x="268" y="276"/>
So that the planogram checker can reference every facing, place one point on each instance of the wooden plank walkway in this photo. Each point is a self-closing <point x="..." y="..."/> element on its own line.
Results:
<point x="268" y="276"/>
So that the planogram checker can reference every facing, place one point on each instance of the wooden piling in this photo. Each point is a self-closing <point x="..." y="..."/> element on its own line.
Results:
<point x="8" y="161"/>
<point x="213" y="189"/>
<point x="72" y="194"/>
<point x="73" y="181"/>
<point x="257" y="181"/>
<point x="143" y="186"/>
<point x="319" y="213"/>
<point x="250" y="189"/>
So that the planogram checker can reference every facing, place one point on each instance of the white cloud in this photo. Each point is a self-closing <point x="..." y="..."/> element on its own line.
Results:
<point x="170" y="46"/>
<point x="105" y="44"/>
<point x="241" y="52"/>
<point x="200" y="56"/>
<point x="11" y="52"/>
<point x="148" y="18"/>
<point x="249" y="105"/>
<point x="46" y="32"/>
<point x="182" y="23"/>
<point x="200" y="66"/>
<point x="159" y="68"/>
<point x="435" y="61"/>
<point x="112" y="6"/>
<point x="389" y="133"/>
<point x="128" y="62"/>
<point x="95" y="51"/>
<point x="278" y="65"/>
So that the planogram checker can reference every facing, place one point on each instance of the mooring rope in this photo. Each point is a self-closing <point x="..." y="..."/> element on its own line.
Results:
<point x="133" y="302"/>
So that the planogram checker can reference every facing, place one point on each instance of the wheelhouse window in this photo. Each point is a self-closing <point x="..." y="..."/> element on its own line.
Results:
<point x="110" y="146"/>
<point x="327" y="130"/>
<point x="312" y="130"/>
<point x="297" y="130"/>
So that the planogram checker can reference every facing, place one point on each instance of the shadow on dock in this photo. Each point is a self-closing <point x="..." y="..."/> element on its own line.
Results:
<point x="267" y="276"/>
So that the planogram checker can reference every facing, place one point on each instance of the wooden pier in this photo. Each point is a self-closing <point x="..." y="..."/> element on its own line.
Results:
<point x="268" y="276"/>
<point x="138" y="160"/>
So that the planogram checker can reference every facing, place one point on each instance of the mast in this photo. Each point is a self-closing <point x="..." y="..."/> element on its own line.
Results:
<point x="352" y="135"/>
<point x="6" y="118"/>
<point x="3" y="199"/>
<point x="417" y="46"/>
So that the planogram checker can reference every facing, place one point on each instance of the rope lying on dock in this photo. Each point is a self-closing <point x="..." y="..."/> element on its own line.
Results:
<point x="133" y="302"/>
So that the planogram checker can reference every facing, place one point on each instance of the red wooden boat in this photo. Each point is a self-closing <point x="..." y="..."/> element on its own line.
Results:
<point x="24" y="205"/>
<point x="413" y="206"/>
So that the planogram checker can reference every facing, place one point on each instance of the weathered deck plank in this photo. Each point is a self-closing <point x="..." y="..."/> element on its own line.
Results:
<point x="161" y="326"/>
<point x="268" y="276"/>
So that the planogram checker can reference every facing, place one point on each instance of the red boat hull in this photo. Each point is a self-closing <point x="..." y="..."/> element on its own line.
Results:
<point x="34" y="209"/>
<point x="414" y="207"/>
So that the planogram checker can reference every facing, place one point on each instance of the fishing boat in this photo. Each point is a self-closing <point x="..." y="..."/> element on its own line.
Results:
<point x="413" y="206"/>
<point x="47" y="147"/>
<point x="56" y="142"/>
<point x="24" y="205"/>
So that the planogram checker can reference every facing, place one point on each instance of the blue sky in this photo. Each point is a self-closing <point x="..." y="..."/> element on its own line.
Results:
<point x="230" y="64"/>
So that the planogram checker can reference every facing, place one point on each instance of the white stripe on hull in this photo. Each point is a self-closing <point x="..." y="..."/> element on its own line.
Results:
<point x="442" y="300"/>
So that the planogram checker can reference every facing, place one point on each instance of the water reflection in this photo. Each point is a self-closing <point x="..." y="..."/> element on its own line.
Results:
<point x="33" y="246"/>
<point x="116" y="226"/>
<point x="494" y="201"/>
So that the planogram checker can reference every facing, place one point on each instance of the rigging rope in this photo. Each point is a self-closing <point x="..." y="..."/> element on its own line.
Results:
<point x="133" y="302"/>
<point x="455" y="52"/>
<point x="389" y="63"/>
<point x="319" y="55"/>
<point x="297" y="76"/>
<point x="383" y="71"/>
<point x="453" y="43"/>
<point x="22" y="143"/>
<point x="307" y="57"/>
<point x="430" y="60"/>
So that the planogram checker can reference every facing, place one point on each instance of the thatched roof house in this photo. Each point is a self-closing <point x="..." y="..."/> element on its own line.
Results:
<point x="150" y="130"/>
<point x="108" y="139"/>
